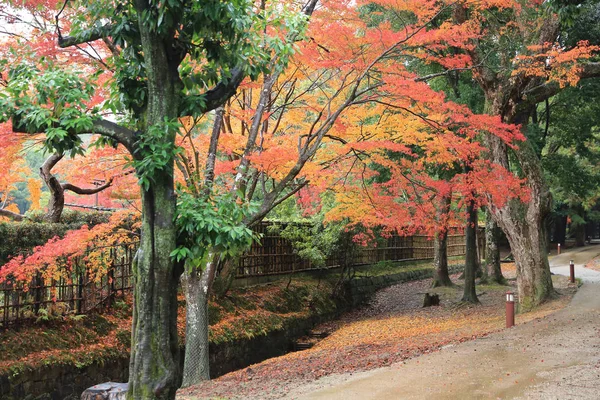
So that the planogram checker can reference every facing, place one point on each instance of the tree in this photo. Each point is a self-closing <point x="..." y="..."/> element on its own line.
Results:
<point x="484" y="39"/>
<point x="165" y="56"/>
<point x="10" y="163"/>
<point x="492" y="271"/>
<point x="441" y="275"/>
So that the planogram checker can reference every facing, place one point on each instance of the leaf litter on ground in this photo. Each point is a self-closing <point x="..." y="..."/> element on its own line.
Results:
<point x="391" y="328"/>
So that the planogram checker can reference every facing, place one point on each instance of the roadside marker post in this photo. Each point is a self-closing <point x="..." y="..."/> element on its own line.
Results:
<point x="510" y="309"/>
<point x="571" y="272"/>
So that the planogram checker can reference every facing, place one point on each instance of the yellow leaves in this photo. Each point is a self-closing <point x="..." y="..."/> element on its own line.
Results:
<point x="35" y="192"/>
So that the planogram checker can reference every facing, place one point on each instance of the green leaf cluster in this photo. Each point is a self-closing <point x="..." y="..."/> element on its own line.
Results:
<point x="210" y="224"/>
<point x="153" y="154"/>
<point x="51" y="100"/>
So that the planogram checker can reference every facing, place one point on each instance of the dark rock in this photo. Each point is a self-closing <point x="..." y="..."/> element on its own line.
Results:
<point x="106" y="391"/>
<point x="431" y="300"/>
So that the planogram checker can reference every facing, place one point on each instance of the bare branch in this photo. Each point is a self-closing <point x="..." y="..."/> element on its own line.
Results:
<point x="13" y="216"/>
<point x="78" y="190"/>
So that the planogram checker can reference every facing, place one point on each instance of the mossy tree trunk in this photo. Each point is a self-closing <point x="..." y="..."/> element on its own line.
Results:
<point x="492" y="271"/>
<point x="154" y="372"/>
<point x="441" y="275"/>
<point x="469" y="294"/>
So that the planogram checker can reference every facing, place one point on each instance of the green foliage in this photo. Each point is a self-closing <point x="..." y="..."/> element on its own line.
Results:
<point x="154" y="154"/>
<point x="312" y="239"/>
<point x="210" y="224"/>
<point x="572" y="145"/>
<point x="30" y="90"/>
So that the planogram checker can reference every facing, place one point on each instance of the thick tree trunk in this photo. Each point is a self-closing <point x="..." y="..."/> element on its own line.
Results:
<point x="154" y="371"/>
<point x="492" y="271"/>
<point x="469" y="294"/>
<point x="525" y="226"/>
<point x="441" y="276"/>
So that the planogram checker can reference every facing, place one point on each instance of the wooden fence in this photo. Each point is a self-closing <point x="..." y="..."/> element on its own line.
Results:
<point x="77" y="293"/>
<point x="276" y="255"/>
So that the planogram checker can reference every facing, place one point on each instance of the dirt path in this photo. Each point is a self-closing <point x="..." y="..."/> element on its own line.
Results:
<point x="557" y="357"/>
<point x="391" y="330"/>
<point x="559" y="264"/>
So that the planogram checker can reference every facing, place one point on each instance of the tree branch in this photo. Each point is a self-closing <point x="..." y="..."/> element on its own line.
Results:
<point x="103" y="127"/>
<point x="115" y="131"/>
<point x="12" y="215"/>
<point x="540" y="93"/>
<point x="89" y="35"/>
<point x="78" y="190"/>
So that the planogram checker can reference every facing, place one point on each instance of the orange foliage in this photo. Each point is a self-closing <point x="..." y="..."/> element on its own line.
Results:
<point x="55" y="259"/>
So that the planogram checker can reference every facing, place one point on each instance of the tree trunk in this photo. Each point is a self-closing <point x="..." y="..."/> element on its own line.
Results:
<point x="56" y="203"/>
<point x="469" y="294"/>
<point x="154" y="371"/>
<point x="493" y="271"/>
<point x="441" y="276"/>
<point x="478" y="267"/>
<point x="524" y="223"/>
<point x="196" y="361"/>
<point x="197" y="287"/>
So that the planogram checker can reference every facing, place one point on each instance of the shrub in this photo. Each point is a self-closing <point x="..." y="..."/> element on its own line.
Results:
<point x="21" y="237"/>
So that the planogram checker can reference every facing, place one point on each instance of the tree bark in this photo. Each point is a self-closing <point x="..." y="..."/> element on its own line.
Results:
<point x="525" y="226"/>
<point x="154" y="371"/>
<point x="441" y="276"/>
<point x="196" y="367"/>
<point x="493" y="270"/>
<point x="56" y="203"/>
<point x="469" y="294"/>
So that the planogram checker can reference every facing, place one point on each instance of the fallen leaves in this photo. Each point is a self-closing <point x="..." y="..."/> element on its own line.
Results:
<point x="391" y="329"/>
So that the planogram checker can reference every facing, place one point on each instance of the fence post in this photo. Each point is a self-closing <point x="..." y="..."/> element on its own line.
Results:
<point x="81" y="282"/>
<point x="38" y="294"/>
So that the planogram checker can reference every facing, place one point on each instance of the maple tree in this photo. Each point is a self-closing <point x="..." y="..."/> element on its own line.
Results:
<point x="306" y="119"/>
<point x="482" y="38"/>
